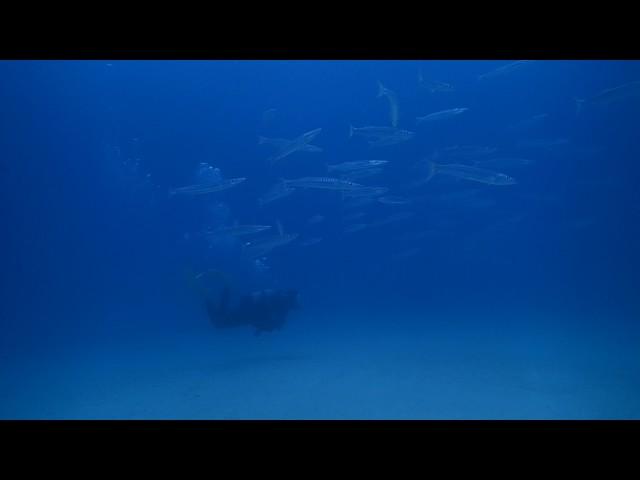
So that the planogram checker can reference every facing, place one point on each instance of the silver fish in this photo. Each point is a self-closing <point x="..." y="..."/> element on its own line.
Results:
<point x="358" y="174"/>
<point x="325" y="183"/>
<point x="239" y="230"/>
<point x="356" y="227"/>
<point x="202" y="189"/>
<point x="357" y="165"/>
<point x="372" y="131"/>
<point x="441" y="115"/>
<point x="393" y="102"/>
<point x="465" y="151"/>
<point x="354" y="216"/>
<point x="311" y="241"/>
<point x="315" y="219"/>
<point x="358" y="202"/>
<point x="268" y="116"/>
<point x="545" y="143"/>
<point x="297" y="144"/>
<point x="611" y="95"/>
<point x="261" y="247"/>
<point x="528" y="123"/>
<point x="467" y="172"/>
<point x="281" y="143"/>
<point x="398" y="137"/>
<point x="434" y="86"/>
<point x="505" y="69"/>
<point x="278" y="191"/>
<point x="394" y="200"/>
<point x="406" y="254"/>
<point x="366" y="192"/>
<point x="396" y="217"/>
<point x="506" y="162"/>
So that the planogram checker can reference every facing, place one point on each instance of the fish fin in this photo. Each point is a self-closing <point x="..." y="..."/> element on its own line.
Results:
<point x="381" y="89"/>
<point x="579" y="105"/>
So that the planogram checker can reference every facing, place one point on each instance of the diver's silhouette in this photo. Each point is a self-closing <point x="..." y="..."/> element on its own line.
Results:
<point x="265" y="310"/>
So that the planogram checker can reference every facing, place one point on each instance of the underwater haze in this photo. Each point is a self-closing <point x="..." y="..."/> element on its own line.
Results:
<point x="320" y="239"/>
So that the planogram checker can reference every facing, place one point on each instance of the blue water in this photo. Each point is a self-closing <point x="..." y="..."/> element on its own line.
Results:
<point x="514" y="301"/>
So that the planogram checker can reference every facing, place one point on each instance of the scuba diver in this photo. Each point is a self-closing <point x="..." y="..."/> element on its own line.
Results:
<point x="266" y="310"/>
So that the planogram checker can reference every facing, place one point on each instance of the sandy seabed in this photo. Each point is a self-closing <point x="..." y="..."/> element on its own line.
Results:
<point x="304" y="372"/>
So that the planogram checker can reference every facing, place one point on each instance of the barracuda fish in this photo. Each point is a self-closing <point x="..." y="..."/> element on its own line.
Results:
<point x="398" y="137"/>
<point x="506" y="162"/>
<point x="325" y="183"/>
<point x="262" y="247"/>
<point x="443" y="114"/>
<point x="406" y="254"/>
<point x="467" y="172"/>
<point x="545" y="143"/>
<point x="259" y="248"/>
<point x="354" y="216"/>
<point x="358" y="202"/>
<point x="529" y="123"/>
<point x="611" y="95"/>
<point x="396" y="217"/>
<point x="366" y="192"/>
<point x="356" y="227"/>
<point x="269" y="115"/>
<point x="368" y="132"/>
<point x="413" y="236"/>
<point x="358" y="165"/>
<point x="315" y="219"/>
<point x="295" y="145"/>
<point x="394" y="200"/>
<point x="393" y="102"/>
<point x="358" y="174"/>
<point x="311" y="241"/>
<point x="278" y="191"/>
<point x="465" y="151"/>
<point x="282" y="143"/>
<point x="505" y="69"/>
<point x="434" y="86"/>
<point x="239" y="230"/>
<point x="202" y="189"/>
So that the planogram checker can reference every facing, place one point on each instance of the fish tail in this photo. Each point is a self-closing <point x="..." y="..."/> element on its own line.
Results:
<point x="579" y="105"/>
<point x="381" y="89"/>
<point x="350" y="130"/>
<point x="431" y="170"/>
